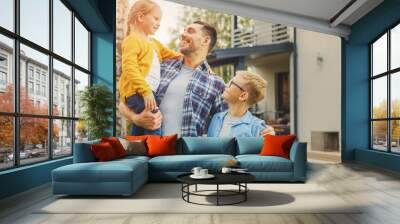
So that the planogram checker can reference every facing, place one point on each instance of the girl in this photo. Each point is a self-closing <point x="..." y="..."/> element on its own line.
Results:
<point x="141" y="57"/>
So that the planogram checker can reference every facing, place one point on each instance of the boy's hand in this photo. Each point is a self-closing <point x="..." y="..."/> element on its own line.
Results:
<point x="268" y="131"/>
<point x="149" y="102"/>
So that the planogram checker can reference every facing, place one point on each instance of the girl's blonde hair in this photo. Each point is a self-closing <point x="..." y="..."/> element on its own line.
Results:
<point x="140" y="6"/>
<point x="255" y="86"/>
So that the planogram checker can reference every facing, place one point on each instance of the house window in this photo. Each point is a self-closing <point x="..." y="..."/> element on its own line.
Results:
<point x="38" y="89"/>
<point x="30" y="87"/>
<point x="43" y="90"/>
<point x="3" y="70"/>
<point x="44" y="77"/>
<point x="3" y="78"/>
<point x="385" y="91"/>
<point x="30" y="73"/>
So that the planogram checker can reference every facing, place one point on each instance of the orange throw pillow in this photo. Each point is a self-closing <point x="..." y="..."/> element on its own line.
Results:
<point x="277" y="145"/>
<point x="161" y="145"/>
<point x="103" y="152"/>
<point x="116" y="145"/>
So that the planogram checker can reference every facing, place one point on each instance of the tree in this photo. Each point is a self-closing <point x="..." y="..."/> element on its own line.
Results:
<point x="33" y="130"/>
<point x="97" y="102"/>
<point x="221" y="21"/>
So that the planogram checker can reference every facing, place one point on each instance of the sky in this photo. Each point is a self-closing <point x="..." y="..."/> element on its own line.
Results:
<point x="168" y="21"/>
<point x="35" y="27"/>
<point x="379" y="59"/>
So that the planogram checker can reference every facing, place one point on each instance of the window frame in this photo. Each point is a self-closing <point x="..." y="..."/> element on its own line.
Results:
<point x="388" y="74"/>
<point x="16" y="114"/>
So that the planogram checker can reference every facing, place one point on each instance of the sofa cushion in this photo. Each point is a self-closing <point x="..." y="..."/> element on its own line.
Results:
<point x="257" y="163"/>
<point x="83" y="152"/>
<point x="277" y="145"/>
<point x="103" y="151"/>
<point x="116" y="145"/>
<point x="135" y="147"/>
<point x="161" y="145"/>
<point x="249" y="145"/>
<point x="206" y="145"/>
<point x="185" y="163"/>
<point x="112" y="171"/>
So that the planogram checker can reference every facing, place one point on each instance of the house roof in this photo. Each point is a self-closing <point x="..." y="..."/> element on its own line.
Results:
<point x="326" y="16"/>
<point x="227" y="55"/>
<point x="251" y="51"/>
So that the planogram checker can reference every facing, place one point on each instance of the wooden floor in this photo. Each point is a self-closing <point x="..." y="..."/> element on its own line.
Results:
<point x="377" y="188"/>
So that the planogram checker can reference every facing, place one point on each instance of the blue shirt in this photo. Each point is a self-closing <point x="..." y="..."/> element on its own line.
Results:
<point x="247" y="126"/>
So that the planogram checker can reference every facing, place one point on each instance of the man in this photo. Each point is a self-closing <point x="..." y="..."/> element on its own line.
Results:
<point x="189" y="93"/>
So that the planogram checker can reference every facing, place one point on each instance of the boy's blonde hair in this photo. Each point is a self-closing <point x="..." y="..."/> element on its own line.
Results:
<point x="255" y="86"/>
<point x="140" y="6"/>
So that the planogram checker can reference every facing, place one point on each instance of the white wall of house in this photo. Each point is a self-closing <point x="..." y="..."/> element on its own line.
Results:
<point x="319" y="83"/>
<point x="268" y="67"/>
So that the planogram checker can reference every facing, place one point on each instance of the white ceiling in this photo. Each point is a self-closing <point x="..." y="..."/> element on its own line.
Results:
<point x="314" y="15"/>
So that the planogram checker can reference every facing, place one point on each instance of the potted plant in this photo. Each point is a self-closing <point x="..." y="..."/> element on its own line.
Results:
<point x="96" y="102"/>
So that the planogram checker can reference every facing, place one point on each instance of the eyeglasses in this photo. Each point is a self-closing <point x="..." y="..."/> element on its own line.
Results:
<point x="237" y="85"/>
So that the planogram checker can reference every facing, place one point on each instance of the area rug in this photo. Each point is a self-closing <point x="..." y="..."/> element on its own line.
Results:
<point x="166" y="198"/>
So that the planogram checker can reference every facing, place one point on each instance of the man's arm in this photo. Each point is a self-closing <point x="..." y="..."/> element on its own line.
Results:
<point x="145" y="119"/>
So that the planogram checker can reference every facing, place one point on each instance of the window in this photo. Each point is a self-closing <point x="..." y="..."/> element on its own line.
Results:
<point x="81" y="45"/>
<point x="3" y="71"/>
<point x="38" y="89"/>
<point x="30" y="72"/>
<point x="3" y="78"/>
<point x="35" y="22"/>
<point x="30" y="87"/>
<point x="62" y="29"/>
<point x="37" y="74"/>
<point x="3" y="61"/>
<point x="54" y="126"/>
<point x="7" y="14"/>
<point x="6" y="71"/>
<point x="385" y="91"/>
<point x="43" y="90"/>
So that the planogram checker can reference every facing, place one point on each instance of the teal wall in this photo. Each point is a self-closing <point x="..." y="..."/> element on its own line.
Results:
<point x="355" y="86"/>
<point x="99" y="16"/>
<point x="24" y="178"/>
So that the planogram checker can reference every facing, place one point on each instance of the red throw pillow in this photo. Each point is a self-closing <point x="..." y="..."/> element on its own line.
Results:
<point x="277" y="145"/>
<point x="103" y="151"/>
<point x="161" y="145"/>
<point x="116" y="145"/>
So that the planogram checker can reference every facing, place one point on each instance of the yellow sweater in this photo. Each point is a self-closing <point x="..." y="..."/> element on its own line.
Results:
<point x="137" y="58"/>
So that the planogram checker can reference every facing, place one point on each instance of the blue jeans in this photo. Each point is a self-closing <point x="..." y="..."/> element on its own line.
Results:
<point x="136" y="104"/>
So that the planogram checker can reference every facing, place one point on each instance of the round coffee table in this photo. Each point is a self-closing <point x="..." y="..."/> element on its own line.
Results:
<point x="238" y="179"/>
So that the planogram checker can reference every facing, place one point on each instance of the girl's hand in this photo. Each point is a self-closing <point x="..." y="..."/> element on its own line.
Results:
<point x="149" y="102"/>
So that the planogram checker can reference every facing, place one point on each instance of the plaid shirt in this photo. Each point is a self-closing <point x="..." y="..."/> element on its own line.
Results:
<point x="203" y="96"/>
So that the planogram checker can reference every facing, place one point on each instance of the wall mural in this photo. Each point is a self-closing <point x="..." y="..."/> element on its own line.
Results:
<point x="174" y="76"/>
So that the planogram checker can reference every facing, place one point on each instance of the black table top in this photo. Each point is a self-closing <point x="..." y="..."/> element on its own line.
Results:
<point x="220" y="178"/>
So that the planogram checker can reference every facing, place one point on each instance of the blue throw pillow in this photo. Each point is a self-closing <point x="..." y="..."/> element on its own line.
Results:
<point x="249" y="145"/>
